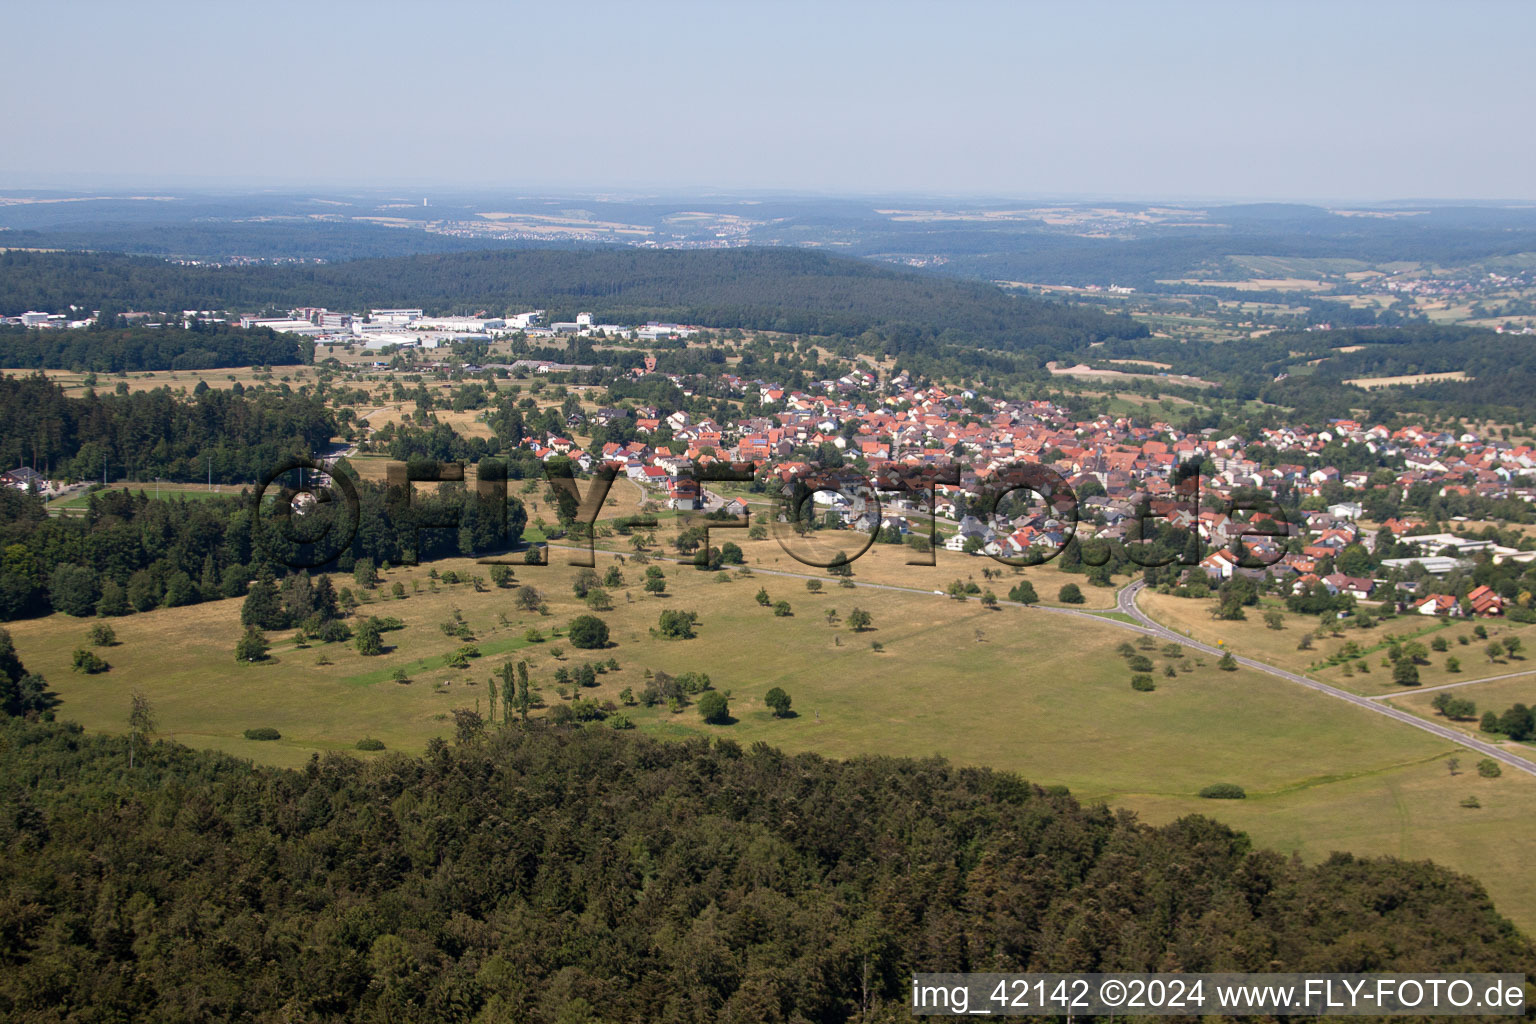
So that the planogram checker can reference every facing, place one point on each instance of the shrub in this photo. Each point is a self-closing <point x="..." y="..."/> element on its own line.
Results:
<point x="369" y="643"/>
<point x="87" y="662"/>
<point x="103" y="635"/>
<point x="460" y="658"/>
<point x="266" y="732"/>
<point x="587" y="710"/>
<point x="252" y="646"/>
<point x="1023" y="593"/>
<point x="778" y="701"/>
<point x="714" y="708"/>
<point x="334" y="632"/>
<point x="1142" y="682"/>
<point x="620" y="722"/>
<point x="370" y="744"/>
<point x="1224" y="791"/>
<point x="677" y="625"/>
<point x="588" y="632"/>
<point x="1070" y="594"/>
<point x="1488" y="768"/>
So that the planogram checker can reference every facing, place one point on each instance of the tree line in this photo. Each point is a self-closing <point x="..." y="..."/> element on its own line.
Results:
<point x="119" y="348"/>
<point x="234" y="435"/>
<point x="132" y="553"/>
<point x="586" y="874"/>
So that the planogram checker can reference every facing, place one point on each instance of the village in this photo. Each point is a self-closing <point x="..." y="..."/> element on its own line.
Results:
<point x="860" y="422"/>
<point x="1113" y="466"/>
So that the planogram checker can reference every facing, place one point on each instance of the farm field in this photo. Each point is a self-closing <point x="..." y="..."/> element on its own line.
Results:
<point x="1089" y="373"/>
<point x="1405" y="380"/>
<point x="1046" y="696"/>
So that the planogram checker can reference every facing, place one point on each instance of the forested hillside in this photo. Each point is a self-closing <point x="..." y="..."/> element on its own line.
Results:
<point x="131" y="552"/>
<point x="759" y="289"/>
<point x="588" y="875"/>
<point x="113" y="349"/>
<point x="234" y="435"/>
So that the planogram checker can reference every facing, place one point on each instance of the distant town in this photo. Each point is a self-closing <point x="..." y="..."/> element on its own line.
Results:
<point x="1116" y="463"/>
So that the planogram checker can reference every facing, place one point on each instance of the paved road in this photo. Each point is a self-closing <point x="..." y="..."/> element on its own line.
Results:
<point x="1461" y="682"/>
<point x="1125" y="603"/>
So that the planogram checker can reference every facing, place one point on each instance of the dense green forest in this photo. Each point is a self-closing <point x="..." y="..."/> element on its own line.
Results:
<point x="587" y="875"/>
<point x="758" y="289"/>
<point x="116" y="349"/>
<point x="235" y="435"/>
<point x="131" y="552"/>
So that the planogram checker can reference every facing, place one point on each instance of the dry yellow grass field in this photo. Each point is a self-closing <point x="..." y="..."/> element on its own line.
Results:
<point x="1405" y="379"/>
<point x="183" y="381"/>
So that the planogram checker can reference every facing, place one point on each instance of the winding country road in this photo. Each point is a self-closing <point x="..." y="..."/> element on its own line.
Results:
<point x="1125" y="604"/>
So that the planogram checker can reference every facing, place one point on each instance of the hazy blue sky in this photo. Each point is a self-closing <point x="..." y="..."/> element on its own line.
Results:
<point x="1237" y="99"/>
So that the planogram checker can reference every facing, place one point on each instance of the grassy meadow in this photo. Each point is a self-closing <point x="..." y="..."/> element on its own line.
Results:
<point x="1045" y="695"/>
<point x="1251" y="637"/>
